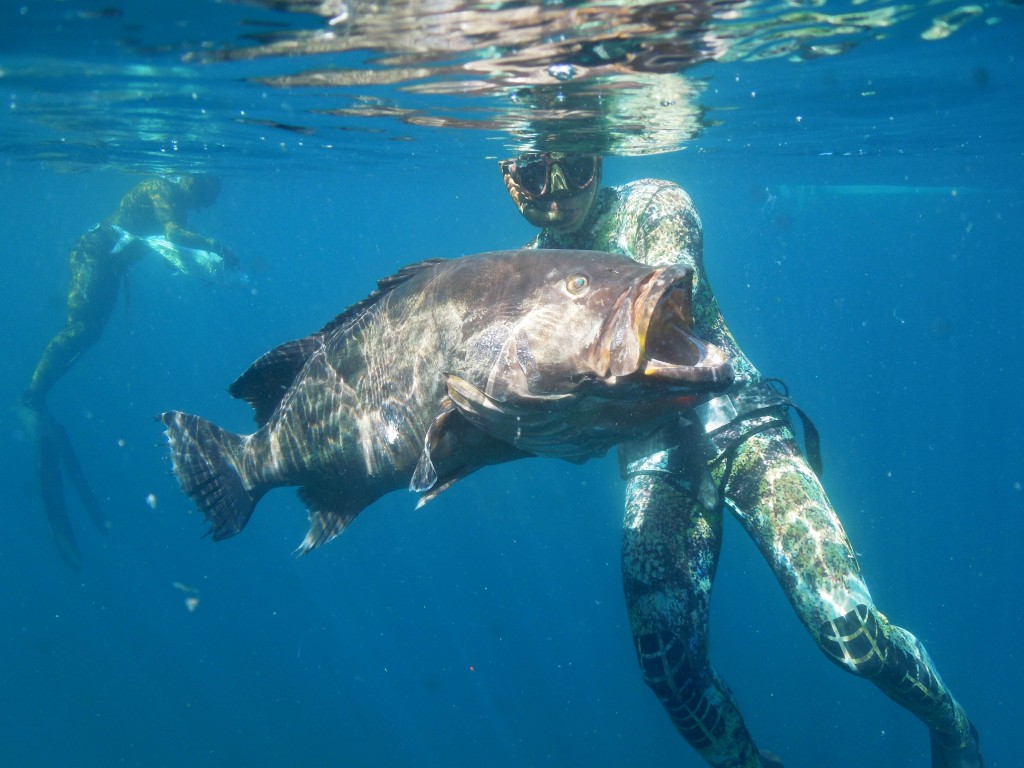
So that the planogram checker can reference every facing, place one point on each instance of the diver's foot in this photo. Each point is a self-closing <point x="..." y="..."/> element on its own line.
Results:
<point x="30" y="398"/>
<point x="30" y="413"/>
<point x="946" y="755"/>
<point x="769" y="759"/>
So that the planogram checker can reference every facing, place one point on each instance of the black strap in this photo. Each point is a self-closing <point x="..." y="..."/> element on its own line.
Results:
<point x="661" y="474"/>
<point x="757" y="400"/>
<point x="812" y="440"/>
<point x="760" y="399"/>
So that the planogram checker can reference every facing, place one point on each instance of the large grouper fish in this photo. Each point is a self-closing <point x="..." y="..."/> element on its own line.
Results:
<point x="450" y="366"/>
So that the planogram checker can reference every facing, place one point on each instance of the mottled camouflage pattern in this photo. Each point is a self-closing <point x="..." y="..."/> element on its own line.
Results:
<point x="100" y="262"/>
<point x="98" y="268"/>
<point x="672" y="531"/>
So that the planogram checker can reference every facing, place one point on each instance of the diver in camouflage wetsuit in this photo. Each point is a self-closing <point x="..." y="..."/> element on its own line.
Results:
<point x="149" y="221"/>
<point x="102" y="256"/>
<point x="736" y="451"/>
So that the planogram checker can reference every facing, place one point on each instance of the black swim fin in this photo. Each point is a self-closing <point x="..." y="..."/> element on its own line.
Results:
<point x="51" y="488"/>
<point x="73" y="469"/>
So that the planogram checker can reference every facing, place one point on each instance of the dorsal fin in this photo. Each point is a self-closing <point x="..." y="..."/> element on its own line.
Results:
<point x="384" y="286"/>
<point x="265" y="382"/>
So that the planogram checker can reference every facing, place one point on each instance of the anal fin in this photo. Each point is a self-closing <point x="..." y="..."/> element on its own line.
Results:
<point x="330" y="513"/>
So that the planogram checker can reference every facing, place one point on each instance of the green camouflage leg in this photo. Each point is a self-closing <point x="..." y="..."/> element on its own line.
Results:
<point x="95" y="282"/>
<point x="783" y="506"/>
<point x="670" y="549"/>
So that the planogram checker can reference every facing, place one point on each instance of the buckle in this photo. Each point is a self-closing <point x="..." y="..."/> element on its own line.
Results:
<point x="716" y="413"/>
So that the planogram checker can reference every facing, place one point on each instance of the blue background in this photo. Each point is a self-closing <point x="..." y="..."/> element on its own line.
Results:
<point x="870" y="257"/>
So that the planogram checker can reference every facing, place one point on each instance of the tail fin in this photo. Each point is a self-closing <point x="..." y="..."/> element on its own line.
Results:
<point x="207" y="461"/>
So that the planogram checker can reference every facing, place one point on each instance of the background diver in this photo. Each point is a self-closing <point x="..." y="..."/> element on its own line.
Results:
<point x="737" y="452"/>
<point x="149" y="221"/>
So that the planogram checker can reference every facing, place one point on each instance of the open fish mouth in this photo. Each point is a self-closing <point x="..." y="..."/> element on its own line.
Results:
<point x="649" y="333"/>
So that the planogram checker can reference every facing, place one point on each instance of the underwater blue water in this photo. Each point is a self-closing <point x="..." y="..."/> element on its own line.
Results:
<point x="869" y="254"/>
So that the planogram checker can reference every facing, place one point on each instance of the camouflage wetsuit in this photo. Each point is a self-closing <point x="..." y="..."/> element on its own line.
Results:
<point x="677" y="486"/>
<point x="100" y="262"/>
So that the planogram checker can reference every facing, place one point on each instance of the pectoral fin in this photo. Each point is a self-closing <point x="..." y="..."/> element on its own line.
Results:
<point x="453" y="448"/>
<point x="425" y="475"/>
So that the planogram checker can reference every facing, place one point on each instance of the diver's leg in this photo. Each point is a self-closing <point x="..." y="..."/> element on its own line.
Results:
<point x="781" y="503"/>
<point x="670" y="549"/>
<point x="91" y="298"/>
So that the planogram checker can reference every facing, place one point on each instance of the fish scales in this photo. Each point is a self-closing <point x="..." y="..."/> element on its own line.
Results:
<point x="448" y="367"/>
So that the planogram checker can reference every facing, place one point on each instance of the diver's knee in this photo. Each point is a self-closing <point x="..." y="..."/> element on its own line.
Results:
<point x="856" y="641"/>
<point x="666" y="665"/>
<point x="78" y="332"/>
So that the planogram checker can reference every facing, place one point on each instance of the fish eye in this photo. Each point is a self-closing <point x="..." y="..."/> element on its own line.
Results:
<point x="577" y="284"/>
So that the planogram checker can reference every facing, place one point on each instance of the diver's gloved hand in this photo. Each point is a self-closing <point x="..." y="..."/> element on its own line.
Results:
<point x="230" y="266"/>
<point x="230" y="258"/>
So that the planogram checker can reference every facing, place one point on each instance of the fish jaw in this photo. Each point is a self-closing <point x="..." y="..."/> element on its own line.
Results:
<point x="642" y="369"/>
<point x="648" y="334"/>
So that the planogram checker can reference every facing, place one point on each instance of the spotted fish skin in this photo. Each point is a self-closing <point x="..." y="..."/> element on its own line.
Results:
<point x="450" y="366"/>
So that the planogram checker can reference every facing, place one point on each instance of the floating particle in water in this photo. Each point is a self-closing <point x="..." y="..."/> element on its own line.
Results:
<point x="192" y="595"/>
<point x="151" y="501"/>
<point x="562" y="71"/>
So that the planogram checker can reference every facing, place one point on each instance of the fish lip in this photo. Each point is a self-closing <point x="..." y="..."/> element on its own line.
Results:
<point x="648" y="334"/>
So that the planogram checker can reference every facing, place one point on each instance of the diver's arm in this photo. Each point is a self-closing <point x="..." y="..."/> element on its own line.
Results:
<point x="178" y="235"/>
<point x="173" y="215"/>
<point x="183" y="237"/>
<point x="666" y="228"/>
